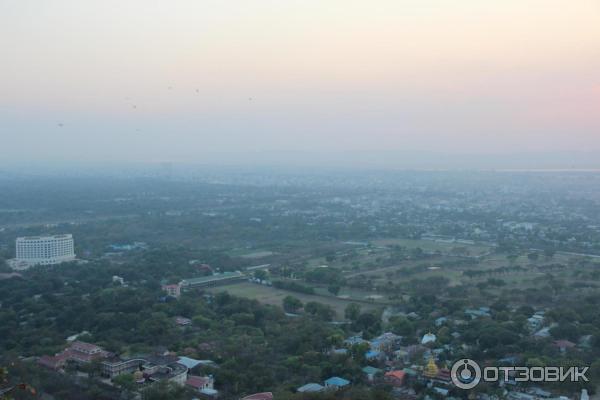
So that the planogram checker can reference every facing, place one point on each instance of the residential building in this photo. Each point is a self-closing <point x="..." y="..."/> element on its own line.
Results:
<point x="172" y="290"/>
<point x="373" y="355"/>
<point x="200" y="382"/>
<point x="395" y="378"/>
<point x="53" y="362"/>
<point x="116" y="366"/>
<point x="352" y="340"/>
<point x="154" y="368"/>
<point x="310" y="388"/>
<point x="543" y="333"/>
<point x="478" y="313"/>
<point x="428" y="338"/>
<point x="444" y="375"/>
<point x="259" y="396"/>
<point x="78" y="352"/>
<point x="539" y="392"/>
<point x="208" y="393"/>
<point x="83" y="353"/>
<point x="385" y="342"/>
<point x="336" y="383"/>
<point x="402" y="355"/>
<point x="182" y="321"/>
<point x="173" y="372"/>
<point x="370" y="372"/>
<point x="535" y="321"/>
<point x="563" y="345"/>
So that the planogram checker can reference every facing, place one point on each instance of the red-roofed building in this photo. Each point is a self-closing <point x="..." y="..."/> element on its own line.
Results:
<point x="200" y="382"/>
<point x="52" y="362"/>
<point x="78" y="352"/>
<point x="172" y="290"/>
<point x="444" y="375"/>
<point x="82" y="352"/>
<point x="259" y="396"/>
<point x="204" y="268"/>
<point x="395" y="378"/>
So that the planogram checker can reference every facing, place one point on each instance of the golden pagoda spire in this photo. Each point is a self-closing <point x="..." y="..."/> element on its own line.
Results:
<point x="431" y="370"/>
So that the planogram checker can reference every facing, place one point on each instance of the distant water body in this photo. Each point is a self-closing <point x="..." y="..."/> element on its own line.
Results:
<point x="593" y="170"/>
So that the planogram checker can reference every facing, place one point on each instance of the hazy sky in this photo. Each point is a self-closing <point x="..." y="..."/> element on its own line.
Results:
<point x="177" y="79"/>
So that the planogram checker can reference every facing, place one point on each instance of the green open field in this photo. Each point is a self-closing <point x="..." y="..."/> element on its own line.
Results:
<point x="257" y="254"/>
<point x="250" y="253"/>
<point x="362" y="262"/>
<point x="431" y="245"/>
<point x="273" y="296"/>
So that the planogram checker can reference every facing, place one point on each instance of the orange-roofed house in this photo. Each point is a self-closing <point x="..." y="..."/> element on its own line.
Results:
<point x="395" y="378"/>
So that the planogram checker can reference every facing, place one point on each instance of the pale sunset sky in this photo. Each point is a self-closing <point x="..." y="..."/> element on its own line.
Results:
<point x="178" y="79"/>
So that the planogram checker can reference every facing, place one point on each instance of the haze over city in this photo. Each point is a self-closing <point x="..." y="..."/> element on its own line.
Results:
<point x="290" y="81"/>
<point x="300" y="200"/>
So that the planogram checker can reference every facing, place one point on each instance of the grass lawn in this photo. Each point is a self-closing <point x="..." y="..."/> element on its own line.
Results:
<point x="431" y="245"/>
<point x="271" y="295"/>
<point x="258" y="254"/>
<point x="250" y="253"/>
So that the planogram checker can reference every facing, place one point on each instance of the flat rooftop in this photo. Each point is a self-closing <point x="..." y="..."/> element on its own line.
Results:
<point x="212" y="278"/>
<point x="61" y="236"/>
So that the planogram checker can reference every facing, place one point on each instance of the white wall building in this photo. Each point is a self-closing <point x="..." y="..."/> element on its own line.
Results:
<point x="428" y="338"/>
<point x="45" y="250"/>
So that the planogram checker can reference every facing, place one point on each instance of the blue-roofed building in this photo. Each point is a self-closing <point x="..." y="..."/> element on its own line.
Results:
<point x="335" y="382"/>
<point x="385" y="342"/>
<point x="373" y="355"/>
<point x="339" y="351"/>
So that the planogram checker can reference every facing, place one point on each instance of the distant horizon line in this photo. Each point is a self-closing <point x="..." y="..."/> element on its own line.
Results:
<point x="584" y="161"/>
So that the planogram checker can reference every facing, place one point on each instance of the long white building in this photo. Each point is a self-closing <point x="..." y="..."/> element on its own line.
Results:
<point x="45" y="250"/>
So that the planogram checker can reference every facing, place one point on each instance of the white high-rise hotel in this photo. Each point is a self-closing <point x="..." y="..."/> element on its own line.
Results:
<point x="45" y="250"/>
